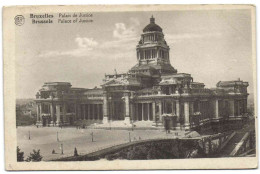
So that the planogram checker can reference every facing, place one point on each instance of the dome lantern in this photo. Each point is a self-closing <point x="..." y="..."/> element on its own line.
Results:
<point x="152" y="26"/>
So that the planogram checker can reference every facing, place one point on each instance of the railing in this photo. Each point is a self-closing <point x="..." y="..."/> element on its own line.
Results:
<point x="125" y="142"/>
<point x="247" y="143"/>
<point x="215" y="143"/>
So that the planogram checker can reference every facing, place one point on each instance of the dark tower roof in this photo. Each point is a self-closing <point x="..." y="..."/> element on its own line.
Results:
<point x="152" y="26"/>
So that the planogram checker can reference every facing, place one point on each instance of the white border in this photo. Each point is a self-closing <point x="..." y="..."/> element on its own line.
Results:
<point x="79" y="2"/>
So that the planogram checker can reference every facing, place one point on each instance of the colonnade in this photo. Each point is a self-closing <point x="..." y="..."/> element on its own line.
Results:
<point x="91" y="112"/>
<point x="54" y="113"/>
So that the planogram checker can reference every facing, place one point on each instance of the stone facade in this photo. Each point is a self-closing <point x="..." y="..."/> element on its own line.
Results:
<point x="152" y="91"/>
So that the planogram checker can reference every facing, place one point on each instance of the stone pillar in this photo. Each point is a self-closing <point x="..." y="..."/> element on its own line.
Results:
<point x="79" y="111"/>
<point x="238" y="108"/>
<point x="52" y="114"/>
<point x="154" y="114"/>
<point x="76" y="112"/>
<point x="216" y="109"/>
<point x="88" y="115"/>
<point x="38" y="113"/>
<point x="58" y="114"/>
<point x="105" y="109"/>
<point x="136" y="112"/>
<point x="64" y="113"/>
<point x="177" y="103"/>
<point x="127" y="114"/>
<point x="93" y="112"/>
<point x="148" y="110"/>
<point x="245" y="105"/>
<point x="84" y="111"/>
<point x="160" y="111"/>
<point x="186" y="114"/>
<point x="192" y="108"/>
<point x="131" y="111"/>
<point x="231" y="108"/>
<point x="142" y="112"/>
<point x="98" y="112"/>
<point x="173" y="108"/>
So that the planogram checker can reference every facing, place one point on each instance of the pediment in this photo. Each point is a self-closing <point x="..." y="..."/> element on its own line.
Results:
<point x="116" y="82"/>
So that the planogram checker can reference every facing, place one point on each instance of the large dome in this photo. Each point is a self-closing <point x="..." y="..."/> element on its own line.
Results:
<point x="152" y="26"/>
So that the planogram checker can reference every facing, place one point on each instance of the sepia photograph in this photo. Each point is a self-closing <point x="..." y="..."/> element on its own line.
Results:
<point x="104" y="84"/>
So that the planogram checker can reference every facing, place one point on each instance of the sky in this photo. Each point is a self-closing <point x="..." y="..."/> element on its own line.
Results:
<point x="211" y="45"/>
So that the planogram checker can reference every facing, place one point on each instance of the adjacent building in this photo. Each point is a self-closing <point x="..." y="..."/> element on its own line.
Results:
<point x="151" y="91"/>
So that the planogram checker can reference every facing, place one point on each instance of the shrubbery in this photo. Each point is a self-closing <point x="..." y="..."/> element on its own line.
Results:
<point x="35" y="156"/>
<point x="20" y="155"/>
<point x="160" y="150"/>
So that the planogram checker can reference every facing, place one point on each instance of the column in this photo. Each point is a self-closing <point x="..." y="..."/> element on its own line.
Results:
<point x="38" y="113"/>
<point x="160" y="110"/>
<point x="170" y="90"/>
<point x="64" y="113"/>
<point x="177" y="103"/>
<point x="88" y="117"/>
<point x="79" y="111"/>
<point x="142" y="112"/>
<point x="216" y="109"/>
<point x="153" y="106"/>
<point x="173" y="108"/>
<point x="84" y="111"/>
<point x="52" y="115"/>
<point x="186" y="114"/>
<point x="98" y="112"/>
<point x="131" y="111"/>
<point x="76" y="112"/>
<point x="191" y="108"/>
<point x="231" y="108"/>
<point x="245" y="105"/>
<point x="136" y="112"/>
<point x="127" y="115"/>
<point x="148" y="108"/>
<point x="58" y="114"/>
<point x="238" y="107"/>
<point x="105" y="107"/>
<point x="93" y="112"/>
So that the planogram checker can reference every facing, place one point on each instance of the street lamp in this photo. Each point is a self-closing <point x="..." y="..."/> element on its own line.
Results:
<point x="58" y="136"/>
<point x="92" y="136"/>
<point x="129" y="137"/>
<point x="52" y="116"/>
<point x="61" y="146"/>
<point x="29" y="135"/>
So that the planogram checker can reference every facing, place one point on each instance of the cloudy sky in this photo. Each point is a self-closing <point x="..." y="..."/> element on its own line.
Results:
<point x="210" y="45"/>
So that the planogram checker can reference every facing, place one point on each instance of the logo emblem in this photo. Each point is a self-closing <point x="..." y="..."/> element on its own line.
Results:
<point x="19" y="20"/>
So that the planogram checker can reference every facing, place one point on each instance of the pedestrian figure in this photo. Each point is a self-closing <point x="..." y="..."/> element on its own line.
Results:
<point x="139" y="138"/>
<point x="53" y="151"/>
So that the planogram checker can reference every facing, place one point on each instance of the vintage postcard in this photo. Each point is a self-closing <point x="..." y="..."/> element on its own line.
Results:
<point x="130" y="87"/>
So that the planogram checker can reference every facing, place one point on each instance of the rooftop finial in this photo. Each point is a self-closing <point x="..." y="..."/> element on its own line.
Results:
<point x="152" y="20"/>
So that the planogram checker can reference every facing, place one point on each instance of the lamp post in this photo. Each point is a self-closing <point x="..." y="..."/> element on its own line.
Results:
<point x="92" y="136"/>
<point x="110" y="106"/>
<point x="129" y="137"/>
<point x="61" y="146"/>
<point x="29" y="135"/>
<point x="57" y="136"/>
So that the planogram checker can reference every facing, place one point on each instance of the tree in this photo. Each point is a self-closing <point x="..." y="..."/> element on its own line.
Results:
<point x="35" y="156"/>
<point x="20" y="155"/>
<point x="75" y="152"/>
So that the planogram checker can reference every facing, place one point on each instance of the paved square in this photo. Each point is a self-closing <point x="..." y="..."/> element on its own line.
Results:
<point x="45" y="139"/>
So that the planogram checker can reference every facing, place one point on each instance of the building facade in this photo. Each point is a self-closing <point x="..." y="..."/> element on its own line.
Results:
<point x="151" y="91"/>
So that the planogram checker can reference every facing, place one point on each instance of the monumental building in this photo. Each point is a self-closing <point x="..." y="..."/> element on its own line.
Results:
<point x="151" y="94"/>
